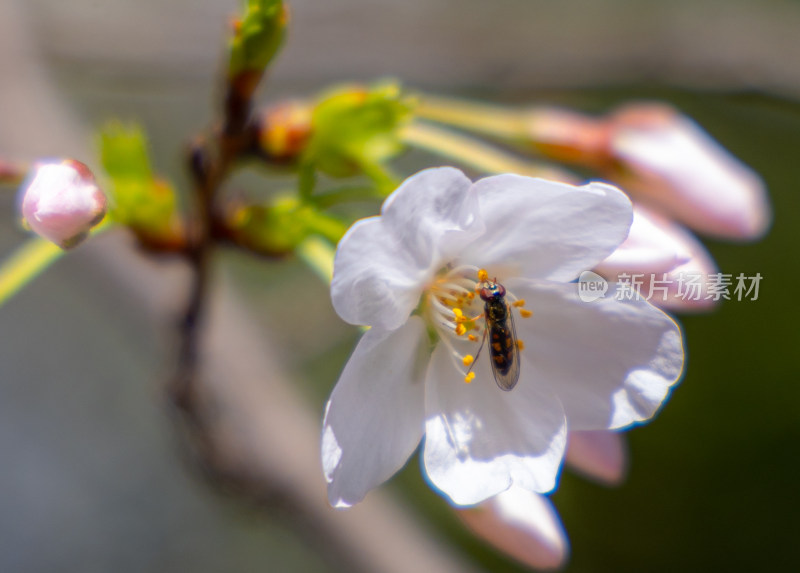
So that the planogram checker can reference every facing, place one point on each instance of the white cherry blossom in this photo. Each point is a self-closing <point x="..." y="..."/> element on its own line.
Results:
<point x="411" y="275"/>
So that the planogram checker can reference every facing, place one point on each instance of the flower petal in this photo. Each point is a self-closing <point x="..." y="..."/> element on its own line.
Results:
<point x="382" y="263"/>
<point x="374" y="283"/>
<point x="431" y="214"/>
<point x="611" y="362"/>
<point x="523" y="525"/>
<point x="479" y="440"/>
<point x="598" y="454"/>
<point x="546" y="229"/>
<point x="375" y="416"/>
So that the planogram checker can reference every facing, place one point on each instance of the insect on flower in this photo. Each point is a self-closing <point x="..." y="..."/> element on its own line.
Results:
<point x="503" y="346"/>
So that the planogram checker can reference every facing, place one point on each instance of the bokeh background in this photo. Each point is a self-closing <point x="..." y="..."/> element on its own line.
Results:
<point x="91" y="473"/>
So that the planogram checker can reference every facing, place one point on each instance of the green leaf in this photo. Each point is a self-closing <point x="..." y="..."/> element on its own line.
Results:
<point x="123" y="152"/>
<point x="258" y="36"/>
<point x="139" y="199"/>
<point x="279" y="227"/>
<point x="356" y="130"/>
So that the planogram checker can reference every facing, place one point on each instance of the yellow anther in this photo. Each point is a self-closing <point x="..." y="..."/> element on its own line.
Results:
<point x="519" y="303"/>
<point x="460" y="329"/>
<point x="472" y="338"/>
<point x="468" y="359"/>
<point x="520" y="344"/>
<point x="470" y="295"/>
<point x="459" y="315"/>
<point x="469" y="377"/>
<point x="525" y="313"/>
<point x="483" y="276"/>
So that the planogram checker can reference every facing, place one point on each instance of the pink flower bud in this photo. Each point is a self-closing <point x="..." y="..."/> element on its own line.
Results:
<point x="601" y="455"/>
<point x="651" y="247"/>
<point x="62" y="202"/>
<point x="668" y="161"/>
<point x="522" y="524"/>
<point x="669" y="267"/>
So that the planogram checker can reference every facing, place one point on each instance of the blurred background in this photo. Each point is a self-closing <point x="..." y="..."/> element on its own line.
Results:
<point x="92" y="476"/>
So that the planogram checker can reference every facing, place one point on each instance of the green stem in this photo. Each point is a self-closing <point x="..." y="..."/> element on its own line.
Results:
<point x="381" y="175"/>
<point x="476" y="154"/>
<point x="327" y="227"/>
<point x="25" y="264"/>
<point x="340" y="195"/>
<point x="318" y="254"/>
<point x="30" y="260"/>
<point x="507" y="124"/>
<point x="306" y="181"/>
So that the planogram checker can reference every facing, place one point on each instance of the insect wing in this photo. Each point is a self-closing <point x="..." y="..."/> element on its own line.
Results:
<point x="505" y="370"/>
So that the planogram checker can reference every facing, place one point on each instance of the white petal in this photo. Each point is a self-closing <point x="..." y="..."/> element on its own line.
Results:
<point x="598" y="454"/>
<point x="432" y="214"/>
<point x="375" y="416"/>
<point x="611" y="362"/>
<point x="382" y="263"/>
<point x="523" y="525"/>
<point x="546" y="229"/>
<point x="374" y="281"/>
<point x="479" y="440"/>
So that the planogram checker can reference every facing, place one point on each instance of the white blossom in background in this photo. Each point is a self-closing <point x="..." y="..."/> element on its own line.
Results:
<point x="410" y="274"/>
<point x="61" y="202"/>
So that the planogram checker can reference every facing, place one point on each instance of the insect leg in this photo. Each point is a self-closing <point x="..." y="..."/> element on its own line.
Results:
<point x="483" y="340"/>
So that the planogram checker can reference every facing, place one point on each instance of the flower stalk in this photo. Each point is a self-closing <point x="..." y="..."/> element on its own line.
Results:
<point x="474" y="153"/>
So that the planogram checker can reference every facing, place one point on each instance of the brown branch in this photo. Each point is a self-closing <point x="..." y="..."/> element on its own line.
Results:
<point x="11" y="174"/>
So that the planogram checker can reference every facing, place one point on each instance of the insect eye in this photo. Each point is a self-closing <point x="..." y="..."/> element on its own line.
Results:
<point x="493" y="292"/>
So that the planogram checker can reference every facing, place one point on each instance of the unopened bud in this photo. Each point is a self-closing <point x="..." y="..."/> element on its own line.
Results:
<point x="651" y="247"/>
<point x="284" y="131"/>
<point x="568" y="136"/>
<point x="522" y="524"/>
<point x="600" y="455"/>
<point x="61" y="202"/>
<point x="672" y="268"/>
<point x="667" y="160"/>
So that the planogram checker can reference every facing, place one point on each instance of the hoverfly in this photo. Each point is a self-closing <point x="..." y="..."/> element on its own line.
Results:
<point x="503" y="349"/>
